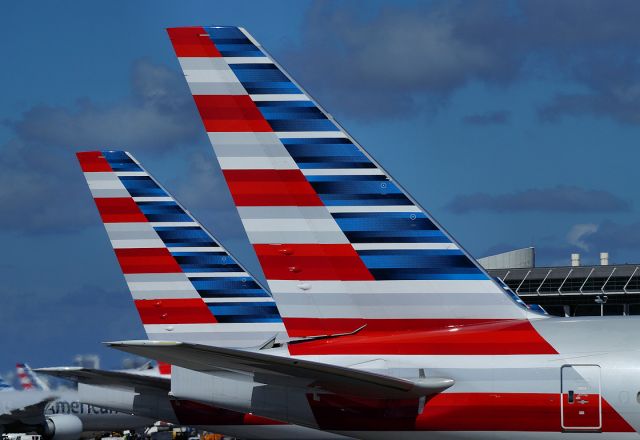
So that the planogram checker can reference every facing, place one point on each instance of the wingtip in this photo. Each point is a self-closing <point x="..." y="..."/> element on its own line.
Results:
<point x="56" y="369"/>
<point x="141" y="343"/>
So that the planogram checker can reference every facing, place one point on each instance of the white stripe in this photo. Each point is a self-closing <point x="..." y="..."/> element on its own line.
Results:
<point x="310" y="134"/>
<point x="385" y="208"/>
<point x="380" y="246"/>
<point x="152" y="199"/>
<point x="433" y="309"/>
<point x="290" y="225"/>
<point x="197" y="249"/>
<point x="217" y="274"/>
<point x="279" y="97"/>
<point x="248" y="60"/>
<point x="243" y="299"/>
<point x="438" y="287"/>
<point x="138" y="244"/>
<point x="342" y="172"/>
<point x="220" y="327"/>
<point x="210" y="76"/>
<point x="257" y="163"/>
<point x="131" y="173"/>
<point x="173" y="224"/>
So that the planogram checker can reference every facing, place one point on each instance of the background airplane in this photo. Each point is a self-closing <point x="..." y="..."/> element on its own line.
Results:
<point x="28" y="379"/>
<point x="57" y="415"/>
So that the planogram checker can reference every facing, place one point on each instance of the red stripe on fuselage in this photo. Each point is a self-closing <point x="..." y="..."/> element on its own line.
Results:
<point x="311" y="262"/>
<point x="230" y="113"/>
<point x="174" y="311"/>
<point x="153" y="260"/>
<point x="93" y="161"/>
<point x="164" y="368"/>
<point x="529" y="412"/>
<point x="419" y="337"/>
<point x="198" y="414"/>
<point x="271" y="188"/>
<point x="192" y="42"/>
<point x="119" y="210"/>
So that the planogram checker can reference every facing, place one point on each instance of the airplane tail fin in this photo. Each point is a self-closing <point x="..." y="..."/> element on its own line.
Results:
<point x="30" y="380"/>
<point x="340" y="242"/>
<point x="185" y="285"/>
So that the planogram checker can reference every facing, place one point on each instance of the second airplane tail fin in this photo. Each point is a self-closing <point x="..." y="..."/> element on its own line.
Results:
<point x="30" y="380"/>
<point x="185" y="285"/>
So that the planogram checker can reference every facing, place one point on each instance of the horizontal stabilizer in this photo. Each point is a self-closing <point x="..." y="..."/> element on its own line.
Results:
<point x="92" y="376"/>
<point x="272" y="369"/>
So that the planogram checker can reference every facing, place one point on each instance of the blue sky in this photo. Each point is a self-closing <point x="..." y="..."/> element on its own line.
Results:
<point x="514" y="122"/>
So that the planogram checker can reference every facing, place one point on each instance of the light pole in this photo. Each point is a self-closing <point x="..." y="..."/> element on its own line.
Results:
<point x="602" y="300"/>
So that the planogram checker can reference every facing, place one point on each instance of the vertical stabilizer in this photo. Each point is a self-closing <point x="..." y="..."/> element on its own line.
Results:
<point x="185" y="285"/>
<point x="339" y="240"/>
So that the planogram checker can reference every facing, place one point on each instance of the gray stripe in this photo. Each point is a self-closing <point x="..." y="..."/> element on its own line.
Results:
<point x="155" y="277"/>
<point x="216" y="88"/>
<point x="107" y="193"/>
<point x="284" y="212"/>
<point x="250" y="150"/>
<point x="293" y="237"/>
<point x="203" y="63"/>
<point x="131" y="231"/>
<point x="244" y="138"/>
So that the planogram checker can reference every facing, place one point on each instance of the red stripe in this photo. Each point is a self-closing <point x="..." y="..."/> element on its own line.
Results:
<point x="119" y="210"/>
<point x="311" y="262"/>
<point x="230" y="113"/>
<point x="174" y="311"/>
<point x="191" y="413"/>
<point x="164" y="368"/>
<point x="271" y="188"/>
<point x="192" y="42"/>
<point x="447" y="337"/>
<point x="156" y="260"/>
<point x="529" y="412"/>
<point x="93" y="161"/>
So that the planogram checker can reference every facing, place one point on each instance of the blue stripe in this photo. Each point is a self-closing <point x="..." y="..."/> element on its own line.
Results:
<point x="206" y="262"/>
<point x="164" y="212"/>
<point x="191" y="236"/>
<point x="142" y="186"/>
<point x="302" y="125"/>
<point x="119" y="161"/>
<point x="222" y="287"/>
<point x="245" y="312"/>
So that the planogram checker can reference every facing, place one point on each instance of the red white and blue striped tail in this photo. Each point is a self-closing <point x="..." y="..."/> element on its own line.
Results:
<point x="185" y="285"/>
<point x="28" y="379"/>
<point x="339" y="240"/>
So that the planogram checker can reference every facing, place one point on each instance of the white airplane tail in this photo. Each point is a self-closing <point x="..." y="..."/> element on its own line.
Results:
<point x="185" y="285"/>
<point x="341" y="243"/>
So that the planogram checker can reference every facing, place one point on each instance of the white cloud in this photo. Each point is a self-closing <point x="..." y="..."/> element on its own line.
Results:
<point x="578" y="234"/>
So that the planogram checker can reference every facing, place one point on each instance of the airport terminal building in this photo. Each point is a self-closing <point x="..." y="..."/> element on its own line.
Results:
<point x="573" y="290"/>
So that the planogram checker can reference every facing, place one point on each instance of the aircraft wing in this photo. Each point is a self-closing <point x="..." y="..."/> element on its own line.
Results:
<point x="108" y="378"/>
<point x="27" y="408"/>
<point x="271" y="369"/>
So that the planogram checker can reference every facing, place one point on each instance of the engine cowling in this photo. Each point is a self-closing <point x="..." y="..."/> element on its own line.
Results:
<point x="63" y="427"/>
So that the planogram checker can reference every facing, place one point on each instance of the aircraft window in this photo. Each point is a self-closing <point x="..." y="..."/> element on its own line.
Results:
<point x="638" y="397"/>
<point x="570" y="396"/>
